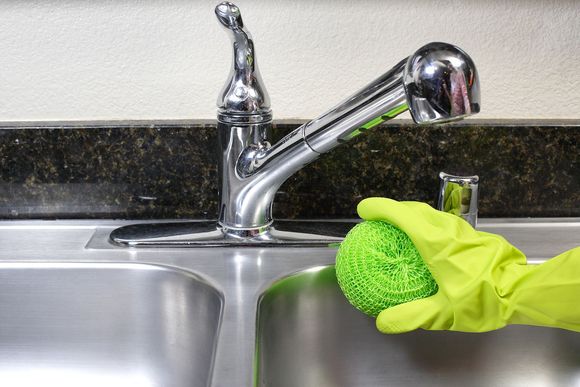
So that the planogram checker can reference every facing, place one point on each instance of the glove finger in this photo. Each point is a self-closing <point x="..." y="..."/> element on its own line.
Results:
<point x="400" y="214"/>
<point x="410" y="215"/>
<point x="426" y="313"/>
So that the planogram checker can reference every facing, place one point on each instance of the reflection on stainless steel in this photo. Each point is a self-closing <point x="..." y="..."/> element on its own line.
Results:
<point x="438" y="83"/>
<point x="458" y="195"/>
<point x="309" y="335"/>
<point x="188" y="234"/>
<point x="109" y="324"/>
<point x="163" y="318"/>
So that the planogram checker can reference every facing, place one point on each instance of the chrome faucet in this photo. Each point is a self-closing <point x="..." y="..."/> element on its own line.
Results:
<point x="438" y="83"/>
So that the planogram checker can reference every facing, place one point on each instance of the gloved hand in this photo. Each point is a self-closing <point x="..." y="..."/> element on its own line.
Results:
<point x="484" y="281"/>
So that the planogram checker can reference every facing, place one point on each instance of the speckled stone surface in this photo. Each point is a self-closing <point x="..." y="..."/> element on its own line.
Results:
<point x="168" y="169"/>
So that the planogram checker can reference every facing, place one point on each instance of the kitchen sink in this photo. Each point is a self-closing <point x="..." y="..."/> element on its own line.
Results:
<point x="76" y="310"/>
<point x="308" y="335"/>
<point x="106" y="324"/>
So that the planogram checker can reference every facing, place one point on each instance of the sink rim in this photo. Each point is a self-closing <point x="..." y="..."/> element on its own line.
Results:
<point x="240" y="275"/>
<point x="126" y="264"/>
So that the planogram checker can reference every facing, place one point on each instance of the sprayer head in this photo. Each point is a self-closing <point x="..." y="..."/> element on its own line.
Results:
<point x="441" y="83"/>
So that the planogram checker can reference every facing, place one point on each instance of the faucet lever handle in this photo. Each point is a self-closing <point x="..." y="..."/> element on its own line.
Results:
<point x="229" y="15"/>
<point x="244" y="92"/>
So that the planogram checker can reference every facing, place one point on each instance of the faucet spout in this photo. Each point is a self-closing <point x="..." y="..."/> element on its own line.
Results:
<point x="381" y="100"/>
<point x="438" y="84"/>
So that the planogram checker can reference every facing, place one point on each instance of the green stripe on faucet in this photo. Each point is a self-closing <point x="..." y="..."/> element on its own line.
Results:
<point x="374" y="122"/>
<point x="396" y="111"/>
<point x="387" y="116"/>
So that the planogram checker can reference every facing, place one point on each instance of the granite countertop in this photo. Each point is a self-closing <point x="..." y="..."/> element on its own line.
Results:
<point x="168" y="169"/>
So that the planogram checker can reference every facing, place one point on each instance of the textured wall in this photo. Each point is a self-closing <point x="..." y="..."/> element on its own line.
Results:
<point x="129" y="59"/>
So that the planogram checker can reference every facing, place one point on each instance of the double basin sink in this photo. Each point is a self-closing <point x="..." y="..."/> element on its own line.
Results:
<point x="77" y="311"/>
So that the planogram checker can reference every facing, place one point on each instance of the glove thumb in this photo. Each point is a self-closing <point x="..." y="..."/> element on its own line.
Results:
<point x="426" y="313"/>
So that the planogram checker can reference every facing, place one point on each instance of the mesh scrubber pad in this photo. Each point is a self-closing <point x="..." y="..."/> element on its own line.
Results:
<point x="377" y="267"/>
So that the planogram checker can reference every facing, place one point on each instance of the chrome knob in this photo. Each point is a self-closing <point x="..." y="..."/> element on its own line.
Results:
<point x="229" y="15"/>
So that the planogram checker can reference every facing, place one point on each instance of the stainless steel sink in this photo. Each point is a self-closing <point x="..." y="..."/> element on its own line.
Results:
<point x="95" y="314"/>
<point x="106" y="324"/>
<point x="308" y="335"/>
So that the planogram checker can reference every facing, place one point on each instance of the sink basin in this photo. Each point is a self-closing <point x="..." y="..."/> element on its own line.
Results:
<point x="308" y="335"/>
<point x="106" y="324"/>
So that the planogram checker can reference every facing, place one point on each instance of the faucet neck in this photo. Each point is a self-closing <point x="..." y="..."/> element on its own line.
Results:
<point x="245" y="201"/>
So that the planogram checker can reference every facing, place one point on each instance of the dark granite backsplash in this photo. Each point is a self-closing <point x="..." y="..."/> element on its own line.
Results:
<point x="168" y="169"/>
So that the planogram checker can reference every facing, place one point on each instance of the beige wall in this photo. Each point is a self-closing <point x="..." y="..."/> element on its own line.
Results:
<point x="128" y="59"/>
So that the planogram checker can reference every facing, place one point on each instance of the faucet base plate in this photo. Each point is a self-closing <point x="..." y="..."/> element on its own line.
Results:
<point x="209" y="234"/>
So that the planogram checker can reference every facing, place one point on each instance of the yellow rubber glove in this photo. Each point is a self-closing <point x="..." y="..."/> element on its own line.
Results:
<point x="484" y="281"/>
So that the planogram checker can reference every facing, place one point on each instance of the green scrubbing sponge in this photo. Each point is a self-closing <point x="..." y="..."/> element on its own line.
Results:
<point x="377" y="267"/>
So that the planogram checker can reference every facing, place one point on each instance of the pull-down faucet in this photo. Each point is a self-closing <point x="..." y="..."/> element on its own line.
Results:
<point x="438" y="83"/>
